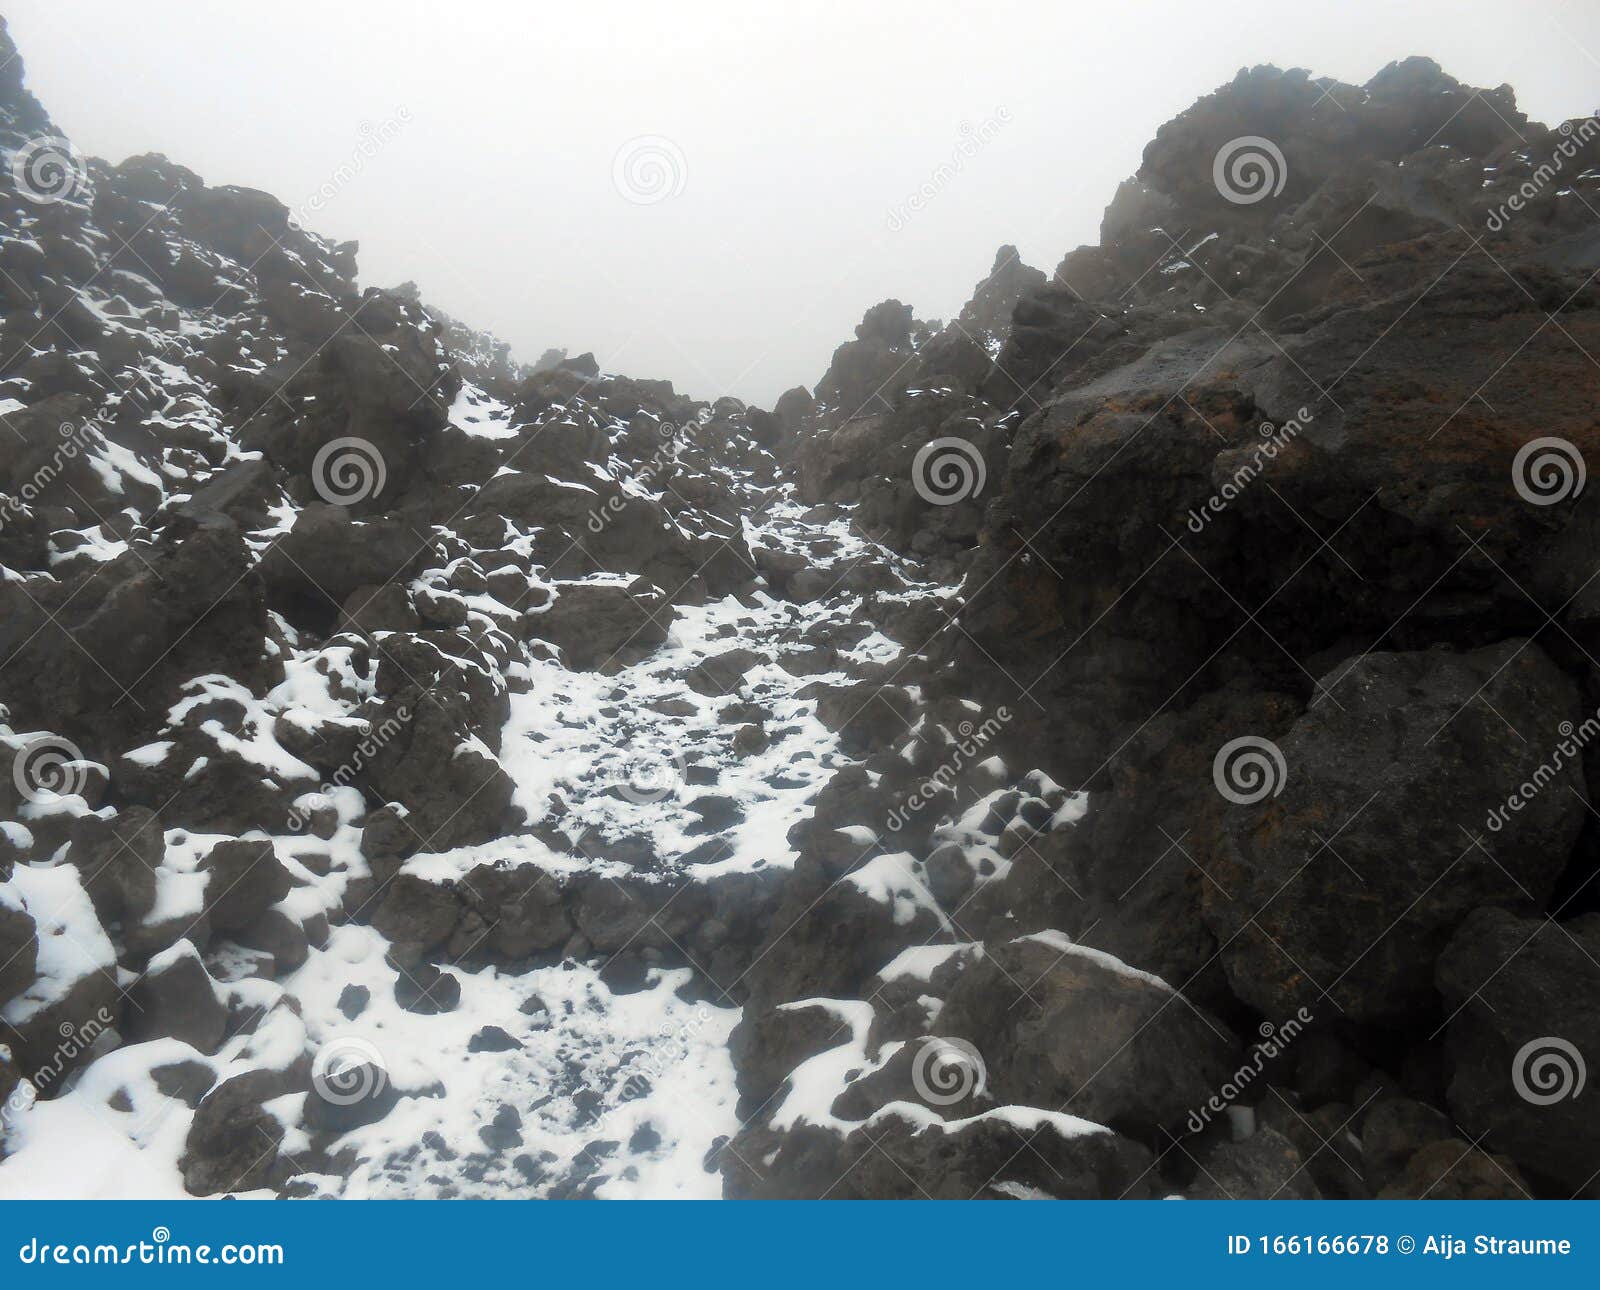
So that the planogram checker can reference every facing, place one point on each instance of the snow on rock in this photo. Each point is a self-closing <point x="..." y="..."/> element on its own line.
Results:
<point x="532" y="781"/>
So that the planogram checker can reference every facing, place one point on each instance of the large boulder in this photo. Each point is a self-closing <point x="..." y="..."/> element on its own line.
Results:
<point x="246" y="878"/>
<point x="868" y="372"/>
<point x="1131" y="875"/>
<point x="119" y="858"/>
<point x="908" y="1153"/>
<point x="1524" y="1040"/>
<point x="359" y="419"/>
<point x="62" y="1016"/>
<point x="828" y="938"/>
<point x="522" y="907"/>
<point x="202" y="771"/>
<point x="245" y="492"/>
<point x="1395" y="1129"/>
<point x="1348" y="863"/>
<point x="416" y="915"/>
<point x="602" y="625"/>
<point x="767" y="1046"/>
<point x="453" y="786"/>
<point x="176" y="998"/>
<point x="1451" y="1169"/>
<point x="1265" y="1166"/>
<point x="722" y="922"/>
<point x="1083" y="1032"/>
<point x="233" y="1140"/>
<point x="148" y="621"/>
<point x="1227" y="500"/>
<point x="314" y="568"/>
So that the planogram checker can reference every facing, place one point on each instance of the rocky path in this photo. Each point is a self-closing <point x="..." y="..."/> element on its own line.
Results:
<point x="689" y="767"/>
<point x="1132" y="739"/>
<point x="676" y="757"/>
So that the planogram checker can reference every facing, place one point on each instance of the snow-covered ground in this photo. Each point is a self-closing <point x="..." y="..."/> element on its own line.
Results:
<point x="536" y="1080"/>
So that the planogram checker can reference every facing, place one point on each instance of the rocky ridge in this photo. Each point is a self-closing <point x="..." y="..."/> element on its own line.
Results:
<point x="1129" y="740"/>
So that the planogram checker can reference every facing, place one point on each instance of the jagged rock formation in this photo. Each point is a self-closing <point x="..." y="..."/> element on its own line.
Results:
<point x="428" y="774"/>
<point x="1274" y="471"/>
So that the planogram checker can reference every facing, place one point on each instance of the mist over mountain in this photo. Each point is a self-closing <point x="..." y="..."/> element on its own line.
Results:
<point x="818" y="155"/>
<point x="1129" y="738"/>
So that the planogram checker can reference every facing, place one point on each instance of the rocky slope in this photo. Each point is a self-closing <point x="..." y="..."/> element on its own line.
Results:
<point x="1129" y="740"/>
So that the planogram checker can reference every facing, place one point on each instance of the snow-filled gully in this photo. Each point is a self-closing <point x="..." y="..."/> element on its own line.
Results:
<point x="544" y="1081"/>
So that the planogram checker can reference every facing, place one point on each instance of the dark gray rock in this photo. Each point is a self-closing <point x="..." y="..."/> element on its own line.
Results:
<point x="119" y="859"/>
<point x="278" y="935"/>
<point x="1455" y="1170"/>
<point x="918" y="1158"/>
<point x="1071" y="1029"/>
<point x="427" y="991"/>
<point x="19" y="947"/>
<point x="601" y="626"/>
<point x="1396" y="1128"/>
<point x="233" y="1141"/>
<point x="492" y="1039"/>
<point x="767" y="1046"/>
<point x="1524" y="1038"/>
<point x="417" y="916"/>
<point x="327" y="557"/>
<point x="1265" y="1166"/>
<point x="1407" y="743"/>
<point x="246" y="879"/>
<point x="522" y="907"/>
<point x="176" y="998"/>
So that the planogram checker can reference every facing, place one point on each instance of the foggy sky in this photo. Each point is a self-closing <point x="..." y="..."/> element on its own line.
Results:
<point x="478" y="141"/>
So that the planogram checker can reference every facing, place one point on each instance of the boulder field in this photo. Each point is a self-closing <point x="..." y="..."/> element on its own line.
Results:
<point x="1131" y="739"/>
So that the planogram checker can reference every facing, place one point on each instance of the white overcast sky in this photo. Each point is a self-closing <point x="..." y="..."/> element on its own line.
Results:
<point x="802" y="127"/>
